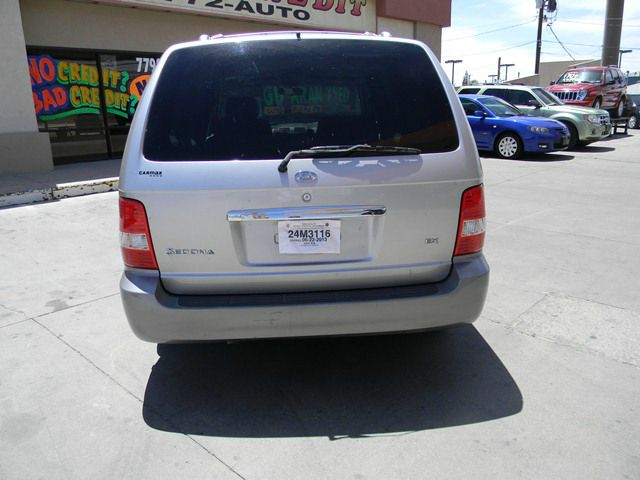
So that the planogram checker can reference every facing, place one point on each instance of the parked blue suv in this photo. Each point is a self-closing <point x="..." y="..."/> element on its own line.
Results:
<point x="500" y="127"/>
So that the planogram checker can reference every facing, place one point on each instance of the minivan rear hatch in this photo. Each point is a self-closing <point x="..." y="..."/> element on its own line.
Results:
<point x="371" y="197"/>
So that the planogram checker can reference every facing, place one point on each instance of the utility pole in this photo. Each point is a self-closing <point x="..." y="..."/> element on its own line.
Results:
<point x="506" y="70"/>
<point x="612" y="32"/>
<point x="620" y="57"/>
<point x="453" y="70"/>
<point x="539" y="43"/>
<point x="499" y="67"/>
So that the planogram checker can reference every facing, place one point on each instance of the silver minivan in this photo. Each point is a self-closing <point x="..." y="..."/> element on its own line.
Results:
<point x="300" y="184"/>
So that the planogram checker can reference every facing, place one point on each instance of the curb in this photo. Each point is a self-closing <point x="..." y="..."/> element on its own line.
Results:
<point x="59" y="191"/>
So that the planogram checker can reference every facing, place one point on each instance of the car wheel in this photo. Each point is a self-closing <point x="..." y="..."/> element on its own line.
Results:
<point x="632" y="122"/>
<point x="597" y="103"/>
<point x="573" y="135"/>
<point x="620" y="108"/>
<point x="509" y="145"/>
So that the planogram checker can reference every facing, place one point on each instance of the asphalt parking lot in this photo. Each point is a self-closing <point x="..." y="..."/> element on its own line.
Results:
<point x="546" y="384"/>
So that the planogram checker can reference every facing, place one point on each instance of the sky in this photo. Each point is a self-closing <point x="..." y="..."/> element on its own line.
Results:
<point x="483" y="30"/>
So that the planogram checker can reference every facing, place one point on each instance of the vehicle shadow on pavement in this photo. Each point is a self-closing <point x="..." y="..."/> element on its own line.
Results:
<point x="333" y="387"/>
<point x="547" y="157"/>
<point x="534" y="157"/>
<point x="594" y="149"/>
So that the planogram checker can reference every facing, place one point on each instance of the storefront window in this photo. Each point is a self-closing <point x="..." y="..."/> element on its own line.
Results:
<point x="127" y="75"/>
<point x="86" y="101"/>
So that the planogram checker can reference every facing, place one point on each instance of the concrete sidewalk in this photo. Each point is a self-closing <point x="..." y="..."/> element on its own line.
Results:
<point x="63" y="181"/>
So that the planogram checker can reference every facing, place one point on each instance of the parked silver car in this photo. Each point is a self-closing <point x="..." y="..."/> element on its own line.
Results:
<point x="300" y="184"/>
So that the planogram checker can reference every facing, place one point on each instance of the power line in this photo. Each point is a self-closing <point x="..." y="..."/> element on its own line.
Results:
<point x="492" y="31"/>
<point x="590" y="45"/>
<point x="598" y="24"/>
<point x="491" y="51"/>
<point x="561" y="44"/>
<point x="507" y="22"/>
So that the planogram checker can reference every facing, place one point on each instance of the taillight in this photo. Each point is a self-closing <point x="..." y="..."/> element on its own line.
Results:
<point x="135" y="239"/>
<point x="471" y="226"/>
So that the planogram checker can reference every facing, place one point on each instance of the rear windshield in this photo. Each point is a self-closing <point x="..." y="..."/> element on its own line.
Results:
<point x="263" y="99"/>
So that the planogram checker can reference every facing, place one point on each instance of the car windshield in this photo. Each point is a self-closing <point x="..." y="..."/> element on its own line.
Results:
<point x="263" y="99"/>
<point x="581" y="76"/>
<point x="636" y="99"/>
<point x="547" y="97"/>
<point x="500" y="108"/>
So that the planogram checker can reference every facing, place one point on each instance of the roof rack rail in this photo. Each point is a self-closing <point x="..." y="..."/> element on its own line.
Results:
<point x="205" y="37"/>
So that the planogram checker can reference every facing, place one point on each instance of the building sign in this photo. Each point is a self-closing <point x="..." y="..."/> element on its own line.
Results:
<point x="64" y="88"/>
<point x="348" y="15"/>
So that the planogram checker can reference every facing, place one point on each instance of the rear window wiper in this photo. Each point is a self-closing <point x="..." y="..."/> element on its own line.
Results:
<point x="329" y="151"/>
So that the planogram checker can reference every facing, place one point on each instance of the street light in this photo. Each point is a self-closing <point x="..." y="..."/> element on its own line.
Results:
<point x="506" y="70"/>
<point x="493" y="78"/>
<point x="620" y="56"/>
<point x="453" y="70"/>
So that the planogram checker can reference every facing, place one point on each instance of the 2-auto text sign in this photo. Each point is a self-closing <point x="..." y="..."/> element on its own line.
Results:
<point x="351" y="15"/>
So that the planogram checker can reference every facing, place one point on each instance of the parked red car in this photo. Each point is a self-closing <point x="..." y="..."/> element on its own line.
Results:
<point x="597" y="87"/>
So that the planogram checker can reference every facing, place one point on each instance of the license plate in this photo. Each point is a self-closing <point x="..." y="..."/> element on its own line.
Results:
<point x="309" y="236"/>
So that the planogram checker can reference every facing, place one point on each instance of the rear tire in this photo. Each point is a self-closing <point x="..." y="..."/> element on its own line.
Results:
<point x="573" y="135"/>
<point x="509" y="146"/>
<point x="620" y="108"/>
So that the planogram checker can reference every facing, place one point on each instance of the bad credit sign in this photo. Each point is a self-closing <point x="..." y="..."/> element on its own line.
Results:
<point x="350" y="15"/>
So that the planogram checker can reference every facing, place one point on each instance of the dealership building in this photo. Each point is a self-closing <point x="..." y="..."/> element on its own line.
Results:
<point x="73" y="71"/>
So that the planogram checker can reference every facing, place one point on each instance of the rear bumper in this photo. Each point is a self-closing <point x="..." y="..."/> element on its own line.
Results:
<point x="159" y="317"/>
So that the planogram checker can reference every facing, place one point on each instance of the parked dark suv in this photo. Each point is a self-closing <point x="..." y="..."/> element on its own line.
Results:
<point x="597" y="87"/>
<point x="632" y="111"/>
